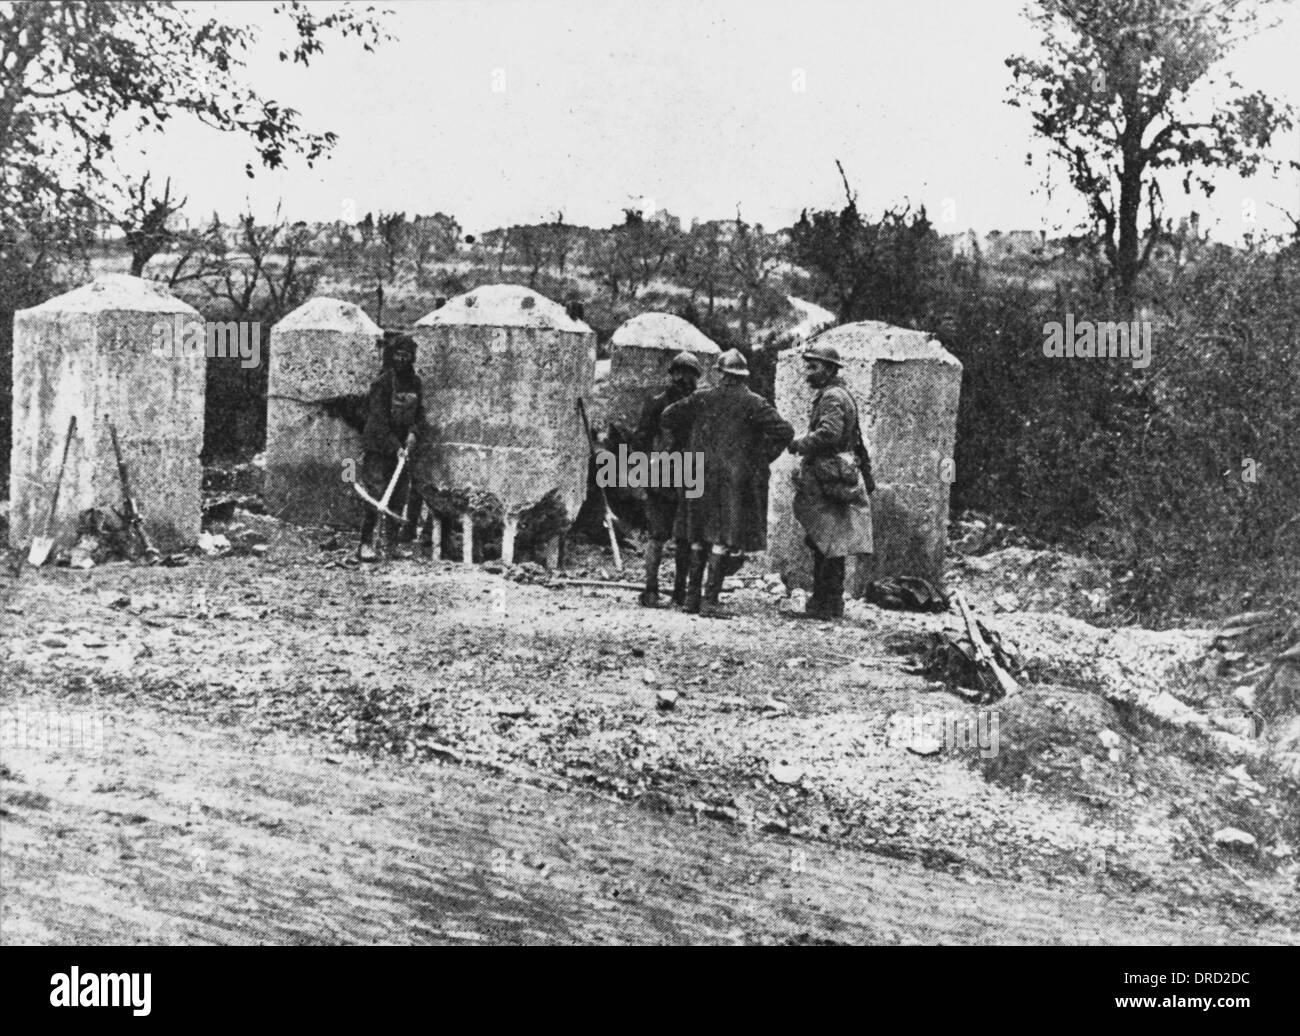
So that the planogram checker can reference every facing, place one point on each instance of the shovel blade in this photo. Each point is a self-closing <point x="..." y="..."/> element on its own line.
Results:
<point x="38" y="553"/>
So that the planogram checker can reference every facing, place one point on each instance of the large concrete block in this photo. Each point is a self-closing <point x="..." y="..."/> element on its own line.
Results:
<point x="640" y="352"/>
<point x="503" y="370"/>
<point x="111" y="349"/>
<point x="907" y="387"/>
<point x="324" y="349"/>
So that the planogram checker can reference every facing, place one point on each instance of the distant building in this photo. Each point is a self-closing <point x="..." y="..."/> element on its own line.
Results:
<point x="1018" y="244"/>
<point x="665" y="219"/>
<point x="965" y="245"/>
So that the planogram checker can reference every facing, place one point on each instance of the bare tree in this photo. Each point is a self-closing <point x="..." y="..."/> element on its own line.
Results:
<point x="291" y="281"/>
<point x="753" y="257"/>
<point x="195" y="254"/>
<point x="146" y="222"/>
<point x="1110" y="96"/>
<point x="393" y="233"/>
<point x="433" y="237"/>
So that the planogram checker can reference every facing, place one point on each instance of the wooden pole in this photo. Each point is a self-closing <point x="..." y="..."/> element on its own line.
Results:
<point x="508" y="531"/>
<point x="467" y="538"/>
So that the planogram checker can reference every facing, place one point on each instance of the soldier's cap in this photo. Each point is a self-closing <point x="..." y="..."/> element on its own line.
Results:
<point x="398" y="340"/>
<point x="733" y="362"/>
<point x="824" y="353"/>
<point x="687" y="360"/>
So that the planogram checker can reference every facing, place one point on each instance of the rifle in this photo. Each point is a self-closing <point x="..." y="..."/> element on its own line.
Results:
<point x="130" y="513"/>
<point x="985" y="663"/>
<point x="609" y="514"/>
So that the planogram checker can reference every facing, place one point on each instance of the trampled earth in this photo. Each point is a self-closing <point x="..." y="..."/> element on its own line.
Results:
<point x="294" y="750"/>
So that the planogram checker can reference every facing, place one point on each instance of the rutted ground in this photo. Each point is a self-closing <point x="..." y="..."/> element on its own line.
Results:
<point x="420" y="752"/>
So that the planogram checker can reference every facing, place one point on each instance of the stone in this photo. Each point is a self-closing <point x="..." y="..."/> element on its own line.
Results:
<point x="1234" y="838"/>
<point x="325" y="349"/>
<point x="82" y="555"/>
<point x="906" y="386"/>
<point x="109" y="350"/>
<point x="784" y="773"/>
<point x="1286" y="738"/>
<point x="924" y="744"/>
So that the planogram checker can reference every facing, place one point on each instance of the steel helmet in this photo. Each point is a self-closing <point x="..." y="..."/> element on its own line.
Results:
<point x="824" y="353"/>
<point x="687" y="360"/>
<point x="733" y="362"/>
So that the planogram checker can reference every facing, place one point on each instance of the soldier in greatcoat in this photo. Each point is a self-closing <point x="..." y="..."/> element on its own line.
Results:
<point x="833" y="483"/>
<point x="738" y="434"/>
<point x="661" y="501"/>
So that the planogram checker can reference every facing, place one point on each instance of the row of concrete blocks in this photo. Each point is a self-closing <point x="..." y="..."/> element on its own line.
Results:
<point x="503" y="369"/>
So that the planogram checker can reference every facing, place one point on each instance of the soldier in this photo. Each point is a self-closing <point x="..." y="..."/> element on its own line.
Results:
<point x="832" y="484"/>
<point x="394" y="411"/>
<point x="661" y="503"/>
<point x="739" y="434"/>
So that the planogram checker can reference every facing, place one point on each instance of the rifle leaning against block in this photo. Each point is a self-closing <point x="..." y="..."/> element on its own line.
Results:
<point x="609" y="514"/>
<point x="130" y="513"/>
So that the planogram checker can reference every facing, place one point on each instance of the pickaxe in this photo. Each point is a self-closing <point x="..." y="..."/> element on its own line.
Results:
<point x="382" y="505"/>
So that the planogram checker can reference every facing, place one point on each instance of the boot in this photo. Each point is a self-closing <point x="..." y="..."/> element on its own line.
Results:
<point x="694" y="579"/>
<point x="682" y="568"/>
<point x="650" y="595"/>
<point x="814" y="608"/>
<point x="833" y="593"/>
<point x="711" y="608"/>
<point x="732" y="564"/>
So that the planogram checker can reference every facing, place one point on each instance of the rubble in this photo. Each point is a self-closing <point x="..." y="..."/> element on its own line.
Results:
<point x="1234" y="838"/>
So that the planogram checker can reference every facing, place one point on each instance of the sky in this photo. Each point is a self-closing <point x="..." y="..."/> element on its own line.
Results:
<point x="503" y="112"/>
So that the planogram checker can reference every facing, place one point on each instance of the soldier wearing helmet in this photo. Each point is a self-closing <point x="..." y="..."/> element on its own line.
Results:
<point x="739" y="434"/>
<point x="833" y="482"/>
<point x="661" y="503"/>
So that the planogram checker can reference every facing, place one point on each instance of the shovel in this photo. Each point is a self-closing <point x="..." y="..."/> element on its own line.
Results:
<point x="40" y="548"/>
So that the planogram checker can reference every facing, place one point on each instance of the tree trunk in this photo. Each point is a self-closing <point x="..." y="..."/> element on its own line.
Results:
<point x="1127" y="264"/>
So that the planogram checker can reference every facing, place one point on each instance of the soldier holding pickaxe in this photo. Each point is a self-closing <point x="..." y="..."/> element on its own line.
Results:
<point x="394" y="418"/>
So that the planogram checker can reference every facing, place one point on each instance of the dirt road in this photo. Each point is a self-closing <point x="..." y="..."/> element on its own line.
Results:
<point x="424" y="753"/>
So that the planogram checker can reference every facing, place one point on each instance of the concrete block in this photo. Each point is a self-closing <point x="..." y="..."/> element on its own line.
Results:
<point x="503" y="370"/>
<point x="324" y="349"/>
<point x="110" y="349"/>
<point x="640" y="352"/>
